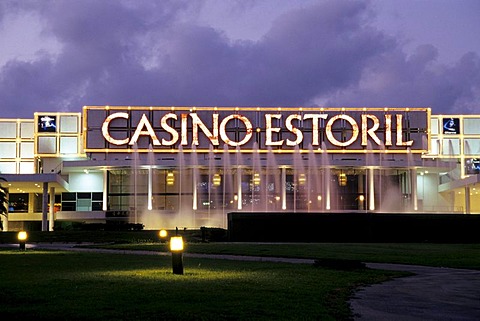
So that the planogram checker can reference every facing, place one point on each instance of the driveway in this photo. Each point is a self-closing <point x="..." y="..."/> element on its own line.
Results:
<point x="431" y="294"/>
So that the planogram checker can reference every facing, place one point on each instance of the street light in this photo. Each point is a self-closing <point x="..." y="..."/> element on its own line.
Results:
<point x="176" y="247"/>
<point x="22" y="239"/>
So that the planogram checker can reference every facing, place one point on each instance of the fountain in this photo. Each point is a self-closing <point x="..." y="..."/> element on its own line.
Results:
<point x="327" y="183"/>
<point x="315" y="190"/>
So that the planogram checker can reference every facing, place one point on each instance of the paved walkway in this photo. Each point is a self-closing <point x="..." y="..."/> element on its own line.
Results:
<point x="431" y="294"/>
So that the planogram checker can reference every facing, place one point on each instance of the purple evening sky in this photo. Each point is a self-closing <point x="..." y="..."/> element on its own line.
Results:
<point x="63" y="54"/>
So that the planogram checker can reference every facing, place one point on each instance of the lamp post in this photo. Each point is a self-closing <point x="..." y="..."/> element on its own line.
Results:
<point x="22" y="239"/>
<point x="176" y="247"/>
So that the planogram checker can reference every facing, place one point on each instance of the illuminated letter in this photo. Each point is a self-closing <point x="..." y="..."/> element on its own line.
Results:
<point x="270" y="130"/>
<point x="105" y="129"/>
<point x="315" y="118"/>
<point x="388" y="130"/>
<point x="149" y="132"/>
<point x="329" y="133"/>
<point x="400" y="141"/>
<point x="184" y="129"/>
<point x="248" y="130"/>
<point x="294" y="130"/>
<point x="370" y="132"/>
<point x="169" y="129"/>
<point x="197" y="122"/>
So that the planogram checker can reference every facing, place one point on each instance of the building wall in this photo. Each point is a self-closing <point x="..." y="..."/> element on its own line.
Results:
<point x="82" y="182"/>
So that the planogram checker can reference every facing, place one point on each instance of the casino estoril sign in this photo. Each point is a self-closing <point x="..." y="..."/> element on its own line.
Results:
<point x="334" y="129"/>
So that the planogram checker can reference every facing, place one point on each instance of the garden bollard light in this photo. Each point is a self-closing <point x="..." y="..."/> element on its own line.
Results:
<point x="22" y="239"/>
<point x="176" y="247"/>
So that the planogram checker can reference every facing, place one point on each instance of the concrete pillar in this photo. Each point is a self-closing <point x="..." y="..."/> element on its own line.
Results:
<point x="360" y="190"/>
<point x="45" y="207"/>
<point x="467" y="200"/>
<point x="31" y="202"/>
<point x="283" y="183"/>
<point x="51" y="209"/>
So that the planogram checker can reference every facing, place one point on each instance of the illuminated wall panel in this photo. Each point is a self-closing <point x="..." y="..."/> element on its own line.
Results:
<point x="58" y="134"/>
<point x="8" y="150"/>
<point x="27" y="150"/>
<point x="27" y="167"/>
<point x="471" y="126"/>
<point x="8" y="167"/>
<point x="27" y="130"/>
<point x="16" y="146"/>
<point x="68" y="145"/>
<point x="8" y="129"/>
<point x="47" y="145"/>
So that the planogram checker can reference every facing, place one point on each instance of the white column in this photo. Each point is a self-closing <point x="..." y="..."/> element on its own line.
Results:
<point x="467" y="200"/>
<point x="361" y="196"/>
<point x="413" y="179"/>
<point x="45" y="207"/>
<point x="239" y="188"/>
<point x="284" y="188"/>
<point x="371" y="189"/>
<point x="51" y="209"/>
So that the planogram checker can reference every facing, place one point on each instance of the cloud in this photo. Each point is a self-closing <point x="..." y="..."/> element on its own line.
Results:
<point x="149" y="53"/>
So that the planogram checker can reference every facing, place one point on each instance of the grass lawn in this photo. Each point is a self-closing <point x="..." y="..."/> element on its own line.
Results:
<point x="442" y="255"/>
<point x="56" y="285"/>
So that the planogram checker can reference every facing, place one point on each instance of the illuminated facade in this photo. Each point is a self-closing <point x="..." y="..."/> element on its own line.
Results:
<point x="190" y="166"/>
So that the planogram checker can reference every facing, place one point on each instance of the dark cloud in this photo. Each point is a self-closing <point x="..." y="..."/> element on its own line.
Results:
<point x="147" y="53"/>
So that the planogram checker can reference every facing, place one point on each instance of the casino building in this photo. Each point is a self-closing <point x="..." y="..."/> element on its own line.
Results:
<point x="190" y="166"/>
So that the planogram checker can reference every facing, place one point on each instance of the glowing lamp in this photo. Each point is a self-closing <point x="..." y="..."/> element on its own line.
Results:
<point x="22" y="239"/>
<point x="170" y="179"/>
<point x="176" y="247"/>
<point x="22" y="236"/>
<point x="176" y="244"/>
<point x="163" y="235"/>
<point x="256" y="179"/>
<point x="217" y="179"/>
<point x="302" y="179"/>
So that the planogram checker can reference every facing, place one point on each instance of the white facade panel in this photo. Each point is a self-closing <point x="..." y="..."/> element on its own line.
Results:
<point x="82" y="182"/>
